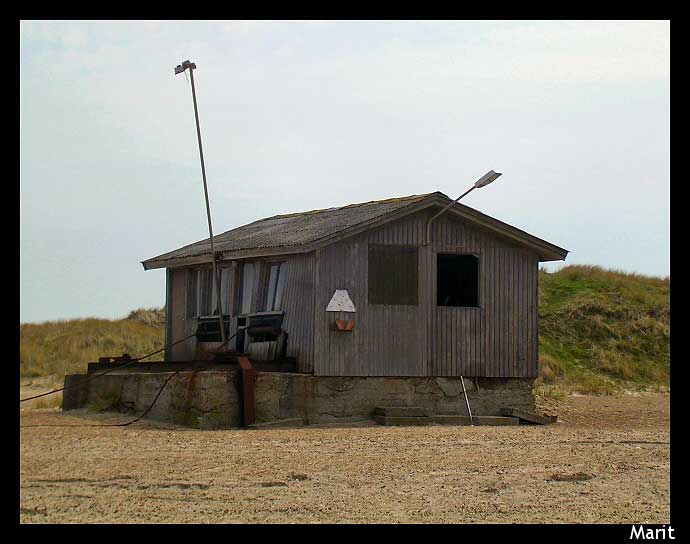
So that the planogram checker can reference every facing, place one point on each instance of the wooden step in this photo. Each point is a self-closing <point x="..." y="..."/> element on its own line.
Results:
<point x="401" y="420"/>
<point x="401" y="411"/>
<point x="529" y="417"/>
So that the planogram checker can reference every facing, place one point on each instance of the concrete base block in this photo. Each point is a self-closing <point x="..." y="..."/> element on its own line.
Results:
<point x="211" y="399"/>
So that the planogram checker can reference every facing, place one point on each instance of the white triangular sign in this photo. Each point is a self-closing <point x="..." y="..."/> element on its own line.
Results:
<point x="340" y="302"/>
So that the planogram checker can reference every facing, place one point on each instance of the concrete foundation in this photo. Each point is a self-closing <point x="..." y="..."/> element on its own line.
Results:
<point x="211" y="399"/>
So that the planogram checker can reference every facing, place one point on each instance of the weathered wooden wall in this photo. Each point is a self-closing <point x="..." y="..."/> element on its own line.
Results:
<point x="178" y="324"/>
<point x="498" y="339"/>
<point x="298" y="302"/>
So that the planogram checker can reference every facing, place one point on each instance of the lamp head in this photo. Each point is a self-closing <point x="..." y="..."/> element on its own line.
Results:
<point x="182" y="67"/>
<point x="486" y="179"/>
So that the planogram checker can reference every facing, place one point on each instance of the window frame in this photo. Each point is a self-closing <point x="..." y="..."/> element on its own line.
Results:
<point x="280" y="275"/>
<point x="203" y="304"/>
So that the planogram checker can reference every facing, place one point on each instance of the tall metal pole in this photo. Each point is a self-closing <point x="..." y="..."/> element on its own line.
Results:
<point x="219" y="307"/>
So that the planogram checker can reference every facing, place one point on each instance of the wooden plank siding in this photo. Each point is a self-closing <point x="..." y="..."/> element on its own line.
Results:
<point x="168" y="314"/>
<point x="298" y="303"/>
<point x="497" y="339"/>
<point x="179" y="325"/>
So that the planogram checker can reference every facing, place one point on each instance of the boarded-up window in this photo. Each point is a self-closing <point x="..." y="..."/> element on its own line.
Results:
<point x="393" y="275"/>
<point x="457" y="280"/>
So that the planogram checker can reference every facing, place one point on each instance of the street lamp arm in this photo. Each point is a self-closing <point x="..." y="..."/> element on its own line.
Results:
<point x="483" y="181"/>
<point x="428" y="224"/>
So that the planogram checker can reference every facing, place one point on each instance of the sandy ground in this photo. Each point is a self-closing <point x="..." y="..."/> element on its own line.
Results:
<point x="606" y="461"/>
<point x="29" y="387"/>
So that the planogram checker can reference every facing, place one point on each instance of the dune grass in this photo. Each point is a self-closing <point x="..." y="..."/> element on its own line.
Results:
<point x="601" y="331"/>
<point x="56" y="348"/>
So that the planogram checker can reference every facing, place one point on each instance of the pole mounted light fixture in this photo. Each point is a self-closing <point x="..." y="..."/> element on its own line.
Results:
<point x="486" y="179"/>
<point x="182" y="67"/>
<point x="483" y="181"/>
<point x="187" y="65"/>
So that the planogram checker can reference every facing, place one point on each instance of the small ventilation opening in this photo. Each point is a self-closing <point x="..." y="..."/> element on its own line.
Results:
<point x="457" y="280"/>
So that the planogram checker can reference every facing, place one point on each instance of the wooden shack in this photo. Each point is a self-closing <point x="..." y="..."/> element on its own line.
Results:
<point x="363" y="291"/>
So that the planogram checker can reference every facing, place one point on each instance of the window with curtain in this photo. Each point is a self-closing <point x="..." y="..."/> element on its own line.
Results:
<point x="192" y="288"/>
<point x="201" y="292"/>
<point x="225" y="289"/>
<point x="248" y="275"/>
<point x="205" y="291"/>
<point x="275" y="287"/>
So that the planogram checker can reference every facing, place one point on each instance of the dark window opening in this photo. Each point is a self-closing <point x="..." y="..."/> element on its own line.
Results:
<point x="392" y="275"/>
<point x="457" y="280"/>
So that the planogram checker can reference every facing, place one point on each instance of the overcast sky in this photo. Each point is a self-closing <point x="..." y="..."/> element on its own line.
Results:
<point x="304" y="115"/>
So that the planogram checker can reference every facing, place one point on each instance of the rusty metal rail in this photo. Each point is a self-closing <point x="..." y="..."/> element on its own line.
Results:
<point x="248" y="402"/>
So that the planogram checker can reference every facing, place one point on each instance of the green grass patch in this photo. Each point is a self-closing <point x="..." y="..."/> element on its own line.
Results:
<point x="555" y="392"/>
<point x="602" y="331"/>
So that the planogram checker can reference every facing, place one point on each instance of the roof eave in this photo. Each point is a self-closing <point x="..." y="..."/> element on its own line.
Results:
<point x="176" y="262"/>
<point x="545" y="250"/>
<point x="415" y="205"/>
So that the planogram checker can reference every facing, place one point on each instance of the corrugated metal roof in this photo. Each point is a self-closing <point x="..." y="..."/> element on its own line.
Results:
<point x="314" y="227"/>
<point x="292" y="229"/>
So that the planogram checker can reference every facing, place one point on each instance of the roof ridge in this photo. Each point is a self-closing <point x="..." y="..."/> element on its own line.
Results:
<point x="353" y="205"/>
